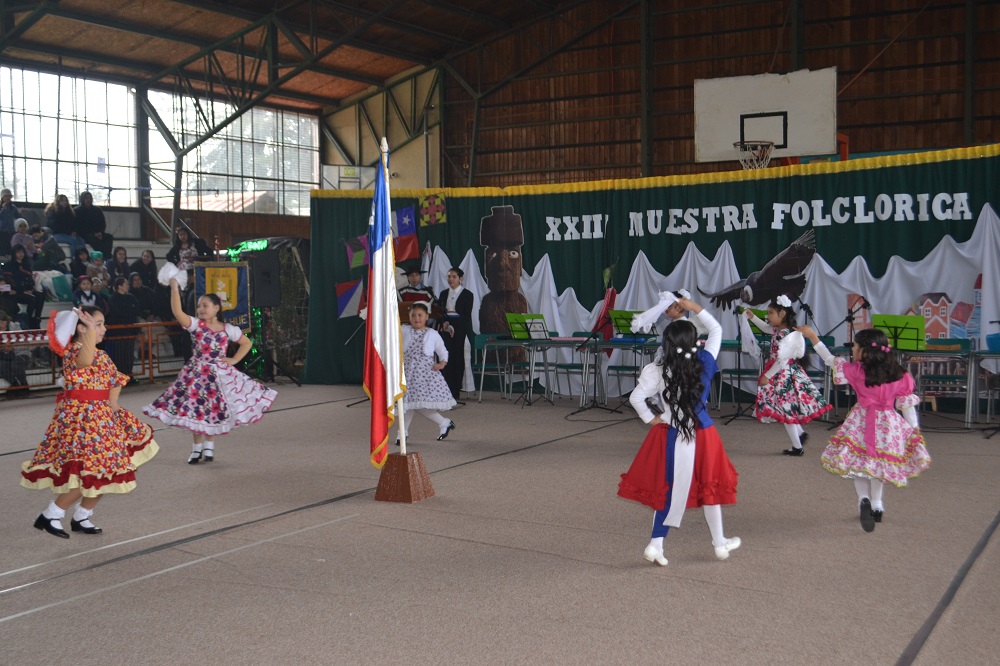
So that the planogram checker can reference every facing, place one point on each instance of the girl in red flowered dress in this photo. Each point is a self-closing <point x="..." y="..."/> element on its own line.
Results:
<point x="92" y="447"/>
<point x="210" y="397"/>
<point x="785" y="393"/>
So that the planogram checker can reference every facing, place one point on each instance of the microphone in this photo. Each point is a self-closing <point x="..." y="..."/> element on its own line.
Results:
<point x="865" y="303"/>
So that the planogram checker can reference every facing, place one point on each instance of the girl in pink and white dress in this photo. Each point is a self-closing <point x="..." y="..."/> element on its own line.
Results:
<point x="876" y="444"/>
<point x="210" y="397"/>
<point x="427" y="391"/>
<point x="785" y="392"/>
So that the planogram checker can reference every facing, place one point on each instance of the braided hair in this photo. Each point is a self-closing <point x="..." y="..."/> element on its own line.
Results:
<point x="682" y="370"/>
<point x="881" y="366"/>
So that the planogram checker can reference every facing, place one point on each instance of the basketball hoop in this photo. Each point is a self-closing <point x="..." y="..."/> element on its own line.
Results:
<point x="754" y="154"/>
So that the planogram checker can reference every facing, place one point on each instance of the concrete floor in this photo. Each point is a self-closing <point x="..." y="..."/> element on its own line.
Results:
<point x="278" y="553"/>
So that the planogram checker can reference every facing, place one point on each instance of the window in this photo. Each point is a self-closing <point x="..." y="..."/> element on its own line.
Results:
<point x="927" y="312"/>
<point x="63" y="134"/>
<point x="944" y="310"/>
<point x="265" y="161"/>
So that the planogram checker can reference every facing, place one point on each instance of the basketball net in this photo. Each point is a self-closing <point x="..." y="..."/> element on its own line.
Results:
<point x="754" y="154"/>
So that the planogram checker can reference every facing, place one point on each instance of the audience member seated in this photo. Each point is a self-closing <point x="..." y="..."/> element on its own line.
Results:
<point x="78" y="266"/>
<point x="51" y="256"/>
<point x="14" y="360"/>
<point x="98" y="273"/>
<point x="8" y="304"/>
<point x="8" y="215"/>
<point x="91" y="225"/>
<point x="61" y="219"/>
<point x="23" y="238"/>
<point x="19" y="275"/>
<point x="147" y="299"/>
<point x="187" y="249"/>
<point x="145" y="266"/>
<point x="85" y="295"/>
<point x="118" y="266"/>
<point x="119" y="343"/>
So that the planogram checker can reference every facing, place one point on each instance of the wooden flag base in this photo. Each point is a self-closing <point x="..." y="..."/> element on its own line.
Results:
<point x="403" y="479"/>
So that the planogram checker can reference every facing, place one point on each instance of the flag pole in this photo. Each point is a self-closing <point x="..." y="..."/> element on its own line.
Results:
<point x="404" y="477"/>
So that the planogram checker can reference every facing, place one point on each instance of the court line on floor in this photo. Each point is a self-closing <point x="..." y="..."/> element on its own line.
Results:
<point x="161" y="428"/>
<point x="920" y="638"/>
<point x="128" y="541"/>
<point x="170" y="570"/>
<point x="223" y="530"/>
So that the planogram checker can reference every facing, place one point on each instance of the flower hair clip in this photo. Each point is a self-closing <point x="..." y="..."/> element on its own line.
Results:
<point x="783" y="301"/>
<point x="884" y="348"/>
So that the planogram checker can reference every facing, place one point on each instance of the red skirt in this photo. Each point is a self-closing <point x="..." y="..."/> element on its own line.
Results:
<point x="713" y="480"/>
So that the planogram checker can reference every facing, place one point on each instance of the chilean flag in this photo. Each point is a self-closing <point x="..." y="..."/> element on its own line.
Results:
<point x="383" y="376"/>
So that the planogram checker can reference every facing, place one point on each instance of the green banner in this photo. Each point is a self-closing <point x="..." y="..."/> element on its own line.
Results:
<point x="874" y="208"/>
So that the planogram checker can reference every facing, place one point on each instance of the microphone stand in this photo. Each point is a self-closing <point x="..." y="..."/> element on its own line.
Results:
<point x="594" y="402"/>
<point x="989" y="432"/>
<point x="849" y="320"/>
<point x="739" y="374"/>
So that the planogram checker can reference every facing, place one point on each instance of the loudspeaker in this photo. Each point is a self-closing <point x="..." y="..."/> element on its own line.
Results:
<point x="265" y="279"/>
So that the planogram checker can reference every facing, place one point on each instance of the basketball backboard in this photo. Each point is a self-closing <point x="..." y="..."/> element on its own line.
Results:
<point x="797" y="111"/>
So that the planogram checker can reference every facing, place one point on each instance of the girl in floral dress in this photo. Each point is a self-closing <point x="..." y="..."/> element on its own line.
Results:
<point x="875" y="445"/>
<point x="427" y="391"/>
<point x="92" y="447"/>
<point x="210" y="397"/>
<point x="785" y="393"/>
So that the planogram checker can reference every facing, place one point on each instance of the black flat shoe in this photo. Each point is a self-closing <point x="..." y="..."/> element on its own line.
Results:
<point x="793" y="452"/>
<point x="43" y="523"/>
<point x="77" y="527"/>
<point x="397" y="442"/>
<point x="876" y="516"/>
<point x="451" y="426"/>
<point x="803" y="437"/>
<point x="194" y="457"/>
<point x="867" y="518"/>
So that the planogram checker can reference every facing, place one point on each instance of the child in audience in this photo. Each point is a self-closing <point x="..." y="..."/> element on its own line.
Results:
<point x="98" y="273"/>
<point x="875" y="444"/>
<point x="85" y="295"/>
<point x="785" y="393"/>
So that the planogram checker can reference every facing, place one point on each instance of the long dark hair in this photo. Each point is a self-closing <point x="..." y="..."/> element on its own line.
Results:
<point x="682" y="370"/>
<point x="789" y="314"/>
<point x="88" y="309"/>
<point x="881" y="366"/>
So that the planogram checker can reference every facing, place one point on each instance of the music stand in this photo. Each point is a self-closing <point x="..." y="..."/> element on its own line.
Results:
<point x="621" y="321"/>
<point x="905" y="332"/>
<point x="738" y="387"/>
<point x="530" y="327"/>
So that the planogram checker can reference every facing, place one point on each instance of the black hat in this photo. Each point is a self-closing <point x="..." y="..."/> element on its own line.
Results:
<point x="410" y="269"/>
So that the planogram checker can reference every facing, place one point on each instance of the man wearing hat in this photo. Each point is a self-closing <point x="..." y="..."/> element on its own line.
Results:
<point x="415" y="291"/>
<point x="9" y="213"/>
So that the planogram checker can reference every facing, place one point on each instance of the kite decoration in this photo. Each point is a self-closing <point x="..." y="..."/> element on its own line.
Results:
<point x="782" y="275"/>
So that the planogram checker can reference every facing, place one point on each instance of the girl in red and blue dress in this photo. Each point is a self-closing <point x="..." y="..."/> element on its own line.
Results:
<point x="681" y="463"/>
<point x="785" y="394"/>
<point x="879" y="441"/>
<point x="210" y="397"/>
<point x="92" y="447"/>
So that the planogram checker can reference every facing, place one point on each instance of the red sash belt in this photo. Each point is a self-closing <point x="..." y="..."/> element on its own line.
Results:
<point x="85" y="395"/>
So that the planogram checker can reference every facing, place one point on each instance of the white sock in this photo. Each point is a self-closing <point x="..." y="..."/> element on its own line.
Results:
<point x="196" y="447"/>
<point x="82" y="514"/>
<point x="792" y="430"/>
<point x="877" y="487"/>
<point x="209" y="446"/>
<point x="442" y="422"/>
<point x="861" y="487"/>
<point x="53" y="512"/>
<point x="657" y="543"/>
<point x="713" y="516"/>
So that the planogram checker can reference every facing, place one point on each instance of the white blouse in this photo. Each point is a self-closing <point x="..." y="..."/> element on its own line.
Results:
<point x="433" y="344"/>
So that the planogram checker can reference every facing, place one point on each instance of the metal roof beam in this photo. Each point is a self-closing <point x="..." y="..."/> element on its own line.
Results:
<point x="151" y="68"/>
<point x="22" y="26"/>
<point x="139" y="29"/>
<point x="469" y="13"/>
<point x="396" y="25"/>
<point x="253" y="16"/>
